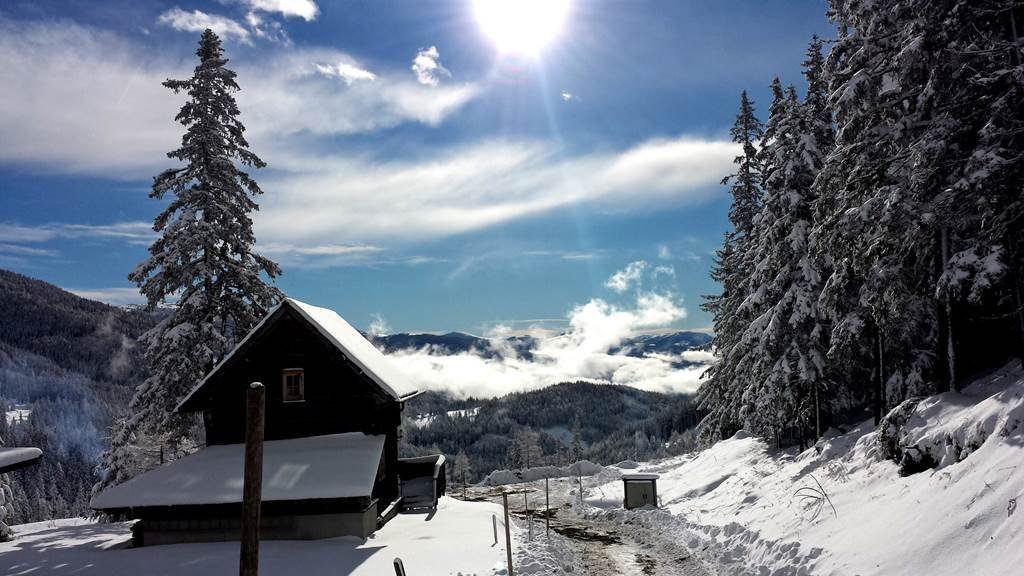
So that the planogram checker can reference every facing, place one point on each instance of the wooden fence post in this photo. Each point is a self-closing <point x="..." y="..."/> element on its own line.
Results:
<point x="494" y="524"/>
<point x="547" y="509"/>
<point x="253" y="481"/>
<point x="508" y="535"/>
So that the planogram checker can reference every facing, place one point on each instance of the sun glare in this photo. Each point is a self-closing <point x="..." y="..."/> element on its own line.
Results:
<point x="521" y="26"/>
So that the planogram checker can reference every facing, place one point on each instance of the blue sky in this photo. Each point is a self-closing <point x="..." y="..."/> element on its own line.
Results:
<point x="417" y="174"/>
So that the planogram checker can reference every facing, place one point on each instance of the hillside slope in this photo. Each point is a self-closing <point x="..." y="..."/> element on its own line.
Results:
<point x="69" y="364"/>
<point x="934" y="490"/>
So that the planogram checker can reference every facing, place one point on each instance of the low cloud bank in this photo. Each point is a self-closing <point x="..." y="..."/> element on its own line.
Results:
<point x="583" y="352"/>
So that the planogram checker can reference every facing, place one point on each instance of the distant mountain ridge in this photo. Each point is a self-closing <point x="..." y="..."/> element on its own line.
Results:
<point x="460" y="342"/>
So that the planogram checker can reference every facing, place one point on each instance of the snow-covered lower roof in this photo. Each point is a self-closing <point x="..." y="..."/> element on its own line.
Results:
<point x="14" y="458"/>
<point x="331" y="466"/>
<point x="344" y="337"/>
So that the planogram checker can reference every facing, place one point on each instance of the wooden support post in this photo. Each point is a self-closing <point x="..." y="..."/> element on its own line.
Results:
<point x="399" y="567"/>
<point x="494" y="524"/>
<point x="508" y="535"/>
<point x="253" y="481"/>
<point x="526" y="503"/>
<point x="547" y="509"/>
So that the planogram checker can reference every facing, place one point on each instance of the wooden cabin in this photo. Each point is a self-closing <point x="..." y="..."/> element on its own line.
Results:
<point x="333" y="420"/>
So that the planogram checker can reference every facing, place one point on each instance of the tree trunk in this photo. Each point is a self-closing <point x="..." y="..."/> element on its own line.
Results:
<point x="948" y="302"/>
<point x="817" y="413"/>
<point x="1019" y="303"/>
<point x="880" y="383"/>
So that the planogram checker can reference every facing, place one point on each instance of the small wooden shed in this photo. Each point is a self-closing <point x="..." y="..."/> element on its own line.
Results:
<point x="639" y="490"/>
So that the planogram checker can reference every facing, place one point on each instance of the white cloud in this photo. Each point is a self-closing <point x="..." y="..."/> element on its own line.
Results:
<point x="197" y="21"/>
<point x="629" y="276"/>
<point x="664" y="253"/>
<point x="427" y="67"/>
<point x="664" y="271"/>
<point x="131" y="232"/>
<point x="582" y="352"/>
<point x="305" y="9"/>
<point x="379" y="326"/>
<point x="568" y="96"/>
<point x="476" y="186"/>
<point x="113" y="296"/>
<point x="348" y="73"/>
<point x="91" y="101"/>
<point x="17" y="250"/>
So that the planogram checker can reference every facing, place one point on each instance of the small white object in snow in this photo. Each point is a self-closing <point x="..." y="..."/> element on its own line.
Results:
<point x="331" y="466"/>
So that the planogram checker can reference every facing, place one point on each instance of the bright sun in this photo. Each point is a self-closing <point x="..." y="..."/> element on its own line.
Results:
<point x="521" y="26"/>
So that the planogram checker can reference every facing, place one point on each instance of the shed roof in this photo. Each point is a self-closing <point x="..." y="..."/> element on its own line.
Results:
<point x="341" y="335"/>
<point x="639" y="476"/>
<point x="15" y="458"/>
<point x="331" y="466"/>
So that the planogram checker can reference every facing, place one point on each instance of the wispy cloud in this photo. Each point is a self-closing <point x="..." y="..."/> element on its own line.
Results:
<point x="569" y="96"/>
<point x="427" y="67"/>
<point x="114" y="296"/>
<point x="664" y="252"/>
<point x="132" y="232"/>
<point x="121" y="122"/>
<point x="305" y="9"/>
<point x="477" y="186"/>
<point x="18" y="250"/>
<point x="349" y="73"/>
<point x="197" y="21"/>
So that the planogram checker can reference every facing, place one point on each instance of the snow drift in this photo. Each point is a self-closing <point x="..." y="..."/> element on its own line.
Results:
<point x="932" y="491"/>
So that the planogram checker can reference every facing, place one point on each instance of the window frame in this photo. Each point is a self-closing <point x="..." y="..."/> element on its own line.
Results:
<point x="301" y="373"/>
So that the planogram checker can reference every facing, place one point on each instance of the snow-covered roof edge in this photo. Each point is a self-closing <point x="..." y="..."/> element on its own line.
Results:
<point x="344" y="337"/>
<point x="15" y="458"/>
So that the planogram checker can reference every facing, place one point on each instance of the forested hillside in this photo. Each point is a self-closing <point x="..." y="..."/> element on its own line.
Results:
<point x="555" y="425"/>
<point x="69" y="365"/>
<point x="876" y="249"/>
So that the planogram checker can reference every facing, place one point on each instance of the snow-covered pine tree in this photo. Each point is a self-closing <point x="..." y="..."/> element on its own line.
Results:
<point x="204" y="257"/>
<point x="877" y="234"/>
<point x="576" y="449"/>
<point x="732" y="267"/>
<point x="981" y="205"/>
<point x="462" y="471"/>
<point x="784" y="362"/>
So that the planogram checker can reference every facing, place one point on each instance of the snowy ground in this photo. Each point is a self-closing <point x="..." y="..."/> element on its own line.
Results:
<point x="457" y="539"/>
<point x="739" y="508"/>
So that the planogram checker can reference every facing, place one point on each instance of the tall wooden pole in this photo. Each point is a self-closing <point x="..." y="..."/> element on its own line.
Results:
<point x="253" y="483"/>
<point x="547" y="509"/>
<point x="508" y="535"/>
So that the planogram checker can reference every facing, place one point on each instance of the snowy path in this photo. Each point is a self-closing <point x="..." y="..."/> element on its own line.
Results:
<point x="583" y="542"/>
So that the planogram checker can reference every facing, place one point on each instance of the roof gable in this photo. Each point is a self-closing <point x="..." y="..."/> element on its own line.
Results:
<point x="339" y="333"/>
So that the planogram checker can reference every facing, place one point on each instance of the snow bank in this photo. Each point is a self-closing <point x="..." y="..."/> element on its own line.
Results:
<point x="501" y="477"/>
<point x="765" y="512"/>
<point x="457" y="539"/>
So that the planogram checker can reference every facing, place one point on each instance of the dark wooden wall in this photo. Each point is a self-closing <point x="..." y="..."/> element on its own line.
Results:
<point x="338" y="398"/>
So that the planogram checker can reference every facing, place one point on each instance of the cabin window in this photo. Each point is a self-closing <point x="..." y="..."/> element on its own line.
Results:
<point x="293" y="385"/>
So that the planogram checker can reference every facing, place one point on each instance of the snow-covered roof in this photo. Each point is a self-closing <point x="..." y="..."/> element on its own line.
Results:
<point x="14" y="458"/>
<point x="639" y="476"/>
<point x="345" y="338"/>
<point x="331" y="466"/>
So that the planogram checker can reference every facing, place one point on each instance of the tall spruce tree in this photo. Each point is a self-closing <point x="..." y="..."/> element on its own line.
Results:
<point x="784" y="362"/>
<point x="204" y="257"/>
<point x="732" y="269"/>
